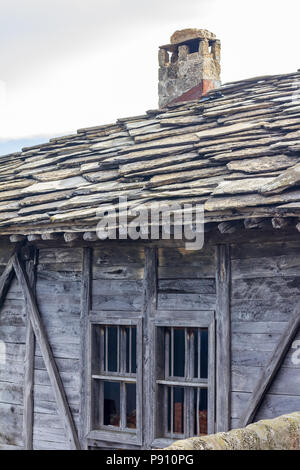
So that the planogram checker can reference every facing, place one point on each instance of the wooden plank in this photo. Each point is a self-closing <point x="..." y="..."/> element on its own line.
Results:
<point x="187" y="286"/>
<point x="273" y="405"/>
<point x="178" y="301"/>
<point x="287" y="381"/>
<point x="5" y="281"/>
<point x="150" y="305"/>
<point x="223" y="349"/>
<point x="41" y="336"/>
<point x="284" y="265"/>
<point x="29" y="363"/>
<point x="84" y="356"/>
<point x="271" y="369"/>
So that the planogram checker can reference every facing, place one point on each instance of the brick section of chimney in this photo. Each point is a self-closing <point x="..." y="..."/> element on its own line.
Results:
<point x="189" y="66"/>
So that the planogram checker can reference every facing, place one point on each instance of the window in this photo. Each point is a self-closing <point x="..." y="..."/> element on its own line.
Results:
<point x="172" y="390"/>
<point x="115" y="387"/>
<point x="184" y="380"/>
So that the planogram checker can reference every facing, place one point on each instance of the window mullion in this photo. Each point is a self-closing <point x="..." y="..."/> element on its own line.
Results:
<point x="101" y="403"/>
<point x="106" y="349"/>
<point x="167" y="353"/>
<point x="172" y="410"/>
<point x="172" y="353"/>
<point x="197" y="412"/>
<point x="123" y="410"/>
<point x="190" y="391"/>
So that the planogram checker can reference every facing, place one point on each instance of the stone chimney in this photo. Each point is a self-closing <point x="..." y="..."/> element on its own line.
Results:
<point x="189" y="66"/>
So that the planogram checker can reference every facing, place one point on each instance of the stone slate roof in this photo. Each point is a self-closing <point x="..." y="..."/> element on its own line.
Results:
<point x="237" y="150"/>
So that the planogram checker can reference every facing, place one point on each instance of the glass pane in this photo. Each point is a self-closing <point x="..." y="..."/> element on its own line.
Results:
<point x="176" y="410"/>
<point x="130" y="349"/>
<point x="112" y="348"/>
<point x="200" y="411"/>
<point x="111" y="404"/>
<point x="201" y="357"/>
<point x="131" y="406"/>
<point x="204" y="353"/>
<point x="179" y="352"/>
<point x="133" y="351"/>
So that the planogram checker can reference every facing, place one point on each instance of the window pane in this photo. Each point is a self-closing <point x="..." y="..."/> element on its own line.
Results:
<point x="200" y="411"/>
<point x="133" y="351"/>
<point x="179" y="352"/>
<point x="111" y="404"/>
<point x="130" y="349"/>
<point x="131" y="406"/>
<point x="111" y="349"/>
<point x="201" y="356"/>
<point x="204" y="353"/>
<point x="176" y="410"/>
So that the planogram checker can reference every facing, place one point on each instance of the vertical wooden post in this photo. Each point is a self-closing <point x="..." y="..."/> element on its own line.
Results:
<point x="84" y="345"/>
<point x="29" y="360"/>
<point x="223" y="339"/>
<point x="150" y="305"/>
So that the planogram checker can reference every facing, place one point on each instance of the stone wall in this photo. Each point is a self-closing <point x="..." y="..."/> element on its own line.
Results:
<point x="282" y="433"/>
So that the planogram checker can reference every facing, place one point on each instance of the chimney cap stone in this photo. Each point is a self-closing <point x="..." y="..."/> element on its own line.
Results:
<point x="189" y="34"/>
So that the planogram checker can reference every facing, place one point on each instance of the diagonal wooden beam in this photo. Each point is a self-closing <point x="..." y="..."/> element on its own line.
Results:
<point x="269" y="372"/>
<point x="5" y="280"/>
<point x="28" y="412"/>
<point x="41" y="337"/>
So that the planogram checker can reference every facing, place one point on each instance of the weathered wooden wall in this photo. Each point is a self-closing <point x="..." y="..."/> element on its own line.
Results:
<point x="58" y="290"/>
<point x="12" y="351"/>
<point x="186" y="279"/>
<point x="265" y="288"/>
<point x="265" y="292"/>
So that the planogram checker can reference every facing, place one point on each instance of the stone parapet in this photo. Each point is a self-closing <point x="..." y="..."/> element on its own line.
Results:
<point x="282" y="433"/>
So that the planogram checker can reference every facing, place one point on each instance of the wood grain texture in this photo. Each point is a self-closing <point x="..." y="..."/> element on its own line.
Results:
<point x="84" y="356"/>
<point x="29" y="361"/>
<point x="268" y="373"/>
<point x="150" y="305"/>
<point x="41" y="337"/>
<point x="223" y="355"/>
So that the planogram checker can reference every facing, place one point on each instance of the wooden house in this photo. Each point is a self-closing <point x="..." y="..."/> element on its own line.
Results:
<point x="136" y="343"/>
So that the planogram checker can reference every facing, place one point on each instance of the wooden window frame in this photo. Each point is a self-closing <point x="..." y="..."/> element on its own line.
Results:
<point x="197" y="320"/>
<point x="115" y="435"/>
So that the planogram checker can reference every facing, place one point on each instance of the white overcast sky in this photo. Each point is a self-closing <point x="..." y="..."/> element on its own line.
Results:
<point x="67" y="64"/>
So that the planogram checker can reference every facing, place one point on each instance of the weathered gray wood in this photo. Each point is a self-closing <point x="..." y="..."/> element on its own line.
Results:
<point x="71" y="237"/>
<point x="271" y="369"/>
<point x="187" y="286"/>
<point x="33" y="238"/>
<point x="29" y="363"/>
<point x="40" y="334"/>
<point x="90" y="236"/>
<point x="273" y="405"/>
<point x="150" y="305"/>
<point x="282" y="265"/>
<point x="178" y="301"/>
<point x="223" y="349"/>
<point x="50" y="236"/>
<point x="16" y="238"/>
<point x="5" y="281"/>
<point x="84" y="356"/>
<point x="287" y="381"/>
